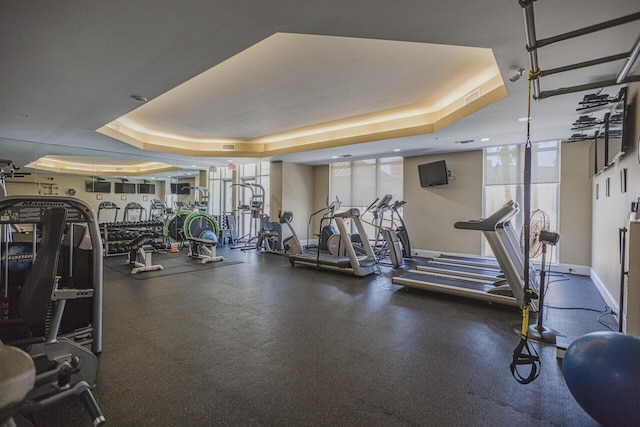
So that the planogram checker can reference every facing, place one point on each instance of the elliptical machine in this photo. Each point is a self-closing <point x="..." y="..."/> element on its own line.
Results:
<point x="385" y="243"/>
<point x="401" y="230"/>
<point x="326" y="230"/>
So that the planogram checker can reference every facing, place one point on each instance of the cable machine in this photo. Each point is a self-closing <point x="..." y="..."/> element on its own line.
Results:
<point x="254" y="209"/>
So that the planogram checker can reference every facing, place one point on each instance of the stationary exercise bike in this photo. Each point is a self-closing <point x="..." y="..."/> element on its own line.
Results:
<point x="270" y="237"/>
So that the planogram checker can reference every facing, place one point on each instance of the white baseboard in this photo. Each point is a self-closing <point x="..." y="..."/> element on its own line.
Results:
<point x="425" y="254"/>
<point x="572" y="269"/>
<point x="606" y="295"/>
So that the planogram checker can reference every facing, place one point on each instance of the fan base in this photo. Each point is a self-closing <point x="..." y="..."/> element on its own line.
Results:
<point x="544" y="334"/>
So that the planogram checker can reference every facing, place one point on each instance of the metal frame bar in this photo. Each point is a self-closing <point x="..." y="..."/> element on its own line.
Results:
<point x="533" y="44"/>
<point x="588" y="30"/>
<point x="585" y="64"/>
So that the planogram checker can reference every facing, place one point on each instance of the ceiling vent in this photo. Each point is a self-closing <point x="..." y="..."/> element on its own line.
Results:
<point x="471" y="97"/>
<point x="229" y="147"/>
<point x="464" y="141"/>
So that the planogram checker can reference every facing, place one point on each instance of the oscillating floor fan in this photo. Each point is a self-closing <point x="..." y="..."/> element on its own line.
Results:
<point x="539" y="238"/>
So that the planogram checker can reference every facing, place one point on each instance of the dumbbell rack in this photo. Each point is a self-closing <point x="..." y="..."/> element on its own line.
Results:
<point x="115" y="235"/>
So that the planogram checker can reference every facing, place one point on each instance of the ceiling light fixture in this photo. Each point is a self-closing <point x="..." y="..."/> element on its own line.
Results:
<point x="524" y="119"/>
<point x="395" y="150"/>
<point x="484" y="139"/>
<point x="139" y="98"/>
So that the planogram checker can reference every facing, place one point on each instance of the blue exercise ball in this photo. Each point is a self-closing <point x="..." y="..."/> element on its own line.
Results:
<point x="209" y="235"/>
<point x="602" y="371"/>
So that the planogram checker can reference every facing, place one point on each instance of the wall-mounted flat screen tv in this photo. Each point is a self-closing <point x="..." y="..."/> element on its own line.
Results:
<point x="146" y="188"/>
<point x="125" y="188"/>
<point x="617" y="128"/>
<point x="98" y="187"/>
<point x="434" y="173"/>
<point x="180" y="188"/>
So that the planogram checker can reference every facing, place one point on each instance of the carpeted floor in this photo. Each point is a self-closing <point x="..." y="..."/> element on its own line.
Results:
<point x="264" y="343"/>
<point x="173" y="263"/>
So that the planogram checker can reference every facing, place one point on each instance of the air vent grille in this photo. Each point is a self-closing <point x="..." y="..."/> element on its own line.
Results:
<point x="471" y="97"/>
<point x="228" y="146"/>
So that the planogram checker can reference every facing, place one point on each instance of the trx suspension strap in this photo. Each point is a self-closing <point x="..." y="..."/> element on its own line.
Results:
<point x="524" y="353"/>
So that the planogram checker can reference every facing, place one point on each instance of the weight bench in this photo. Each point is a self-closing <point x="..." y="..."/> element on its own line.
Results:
<point x="204" y="250"/>
<point x="140" y="254"/>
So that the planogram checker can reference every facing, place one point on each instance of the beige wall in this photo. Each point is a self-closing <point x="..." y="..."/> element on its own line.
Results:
<point x="275" y="188"/>
<point x="611" y="213"/>
<point x="321" y="181"/>
<point x="575" y="205"/>
<point x="59" y="184"/>
<point x="431" y="212"/>
<point x="297" y="194"/>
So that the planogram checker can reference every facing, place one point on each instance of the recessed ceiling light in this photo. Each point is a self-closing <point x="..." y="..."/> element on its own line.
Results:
<point x="334" y="157"/>
<point x="230" y="161"/>
<point x="524" y="119"/>
<point x="484" y="139"/>
<point x="396" y="150"/>
<point x="193" y="166"/>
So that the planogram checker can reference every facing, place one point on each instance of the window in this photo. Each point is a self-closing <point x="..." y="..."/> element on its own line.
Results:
<point x="357" y="184"/>
<point x="504" y="177"/>
<point x="221" y="192"/>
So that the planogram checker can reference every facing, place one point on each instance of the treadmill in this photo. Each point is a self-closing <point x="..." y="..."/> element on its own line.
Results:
<point x="362" y="265"/>
<point x="495" y="228"/>
<point x="464" y="270"/>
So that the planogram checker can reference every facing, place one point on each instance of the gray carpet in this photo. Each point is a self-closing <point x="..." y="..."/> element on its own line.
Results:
<point x="173" y="263"/>
<point x="266" y="343"/>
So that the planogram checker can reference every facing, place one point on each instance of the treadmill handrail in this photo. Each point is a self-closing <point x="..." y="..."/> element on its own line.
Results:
<point x="490" y="223"/>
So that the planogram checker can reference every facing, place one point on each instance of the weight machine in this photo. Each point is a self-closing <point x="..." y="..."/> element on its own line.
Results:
<point x="254" y="209"/>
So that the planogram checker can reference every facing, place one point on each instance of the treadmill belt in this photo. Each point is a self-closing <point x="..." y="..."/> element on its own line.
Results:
<point x="489" y="272"/>
<point x="446" y="281"/>
<point x="478" y="262"/>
